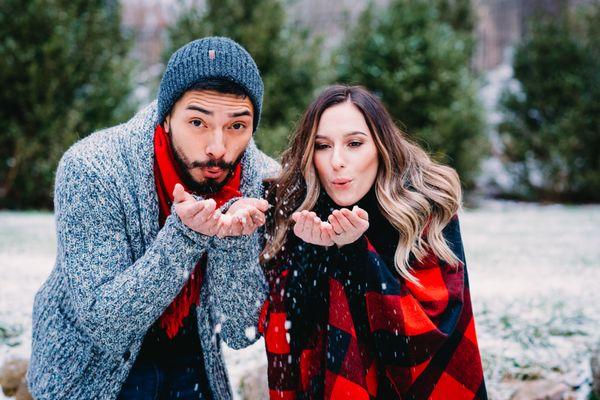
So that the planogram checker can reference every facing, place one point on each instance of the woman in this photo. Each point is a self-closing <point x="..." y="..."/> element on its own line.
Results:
<point x="369" y="291"/>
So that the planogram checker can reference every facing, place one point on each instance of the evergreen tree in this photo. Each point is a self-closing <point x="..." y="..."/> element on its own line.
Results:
<point x="458" y="13"/>
<point x="419" y="66"/>
<point x="290" y="62"/>
<point x="551" y="127"/>
<point x="64" y="75"/>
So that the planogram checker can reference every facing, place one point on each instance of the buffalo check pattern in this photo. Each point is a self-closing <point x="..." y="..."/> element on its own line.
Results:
<point x="420" y="344"/>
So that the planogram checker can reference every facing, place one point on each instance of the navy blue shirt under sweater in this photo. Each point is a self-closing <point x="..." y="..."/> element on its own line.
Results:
<point x="159" y="349"/>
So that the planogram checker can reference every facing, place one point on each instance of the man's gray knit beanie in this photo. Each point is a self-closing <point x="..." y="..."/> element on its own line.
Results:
<point x="209" y="58"/>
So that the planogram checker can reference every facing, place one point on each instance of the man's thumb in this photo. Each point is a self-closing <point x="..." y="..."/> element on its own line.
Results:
<point x="179" y="193"/>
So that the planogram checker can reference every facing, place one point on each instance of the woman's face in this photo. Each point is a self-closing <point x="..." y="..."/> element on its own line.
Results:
<point x="345" y="156"/>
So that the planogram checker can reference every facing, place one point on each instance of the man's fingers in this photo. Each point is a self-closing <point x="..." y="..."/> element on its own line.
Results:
<point x="261" y="204"/>
<point x="209" y="208"/>
<point x="208" y="218"/>
<point x="249" y="228"/>
<point x="237" y="225"/>
<point x="241" y="217"/>
<point x="249" y="202"/>
<point x="189" y="210"/>
<point x="256" y="216"/>
<point x="224" y="226"/>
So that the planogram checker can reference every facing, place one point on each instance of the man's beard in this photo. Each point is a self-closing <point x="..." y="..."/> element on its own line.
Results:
<point x="210" y="185"/>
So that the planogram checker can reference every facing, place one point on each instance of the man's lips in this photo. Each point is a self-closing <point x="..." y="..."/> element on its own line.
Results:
<point x="212" y="172"/>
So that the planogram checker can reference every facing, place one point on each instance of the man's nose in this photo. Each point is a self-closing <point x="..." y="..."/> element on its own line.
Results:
<point x="215" y="149"/>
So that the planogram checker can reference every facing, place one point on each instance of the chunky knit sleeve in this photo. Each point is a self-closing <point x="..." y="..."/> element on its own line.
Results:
<point x="237" y="287"/>
<point x="115" y="297"/>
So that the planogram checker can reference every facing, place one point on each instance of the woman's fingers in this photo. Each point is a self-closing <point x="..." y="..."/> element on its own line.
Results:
<point x="358" y="223"/>
<point x="311" y="229"/>
<point x="360" y="213"/>
<point x="327" y="233"/>
<point x="335" y="224"/>
<point x="295" y="216"/>
<point x="308" y="225"/>
<point x="351" y="218"/>
<point x="316" y="229"/>
<point x="299" y="227"/>
<point x="343" y="221"/>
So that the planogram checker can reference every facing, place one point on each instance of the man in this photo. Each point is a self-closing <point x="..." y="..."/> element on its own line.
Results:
<point x="157" y="227"/>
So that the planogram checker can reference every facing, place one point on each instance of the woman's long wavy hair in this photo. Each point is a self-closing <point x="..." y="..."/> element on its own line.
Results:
<point x="415" y="194"/>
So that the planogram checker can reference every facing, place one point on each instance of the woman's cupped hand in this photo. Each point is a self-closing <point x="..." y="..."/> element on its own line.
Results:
<point x="341" y="228"/>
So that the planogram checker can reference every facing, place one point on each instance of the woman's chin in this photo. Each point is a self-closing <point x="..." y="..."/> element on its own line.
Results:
<point x="344" y="200"/>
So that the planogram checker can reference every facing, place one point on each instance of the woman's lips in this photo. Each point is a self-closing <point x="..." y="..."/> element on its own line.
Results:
<point x="341" y="183"/>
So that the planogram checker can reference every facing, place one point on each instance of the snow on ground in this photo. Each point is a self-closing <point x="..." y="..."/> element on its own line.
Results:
<point x="534" y="275"/>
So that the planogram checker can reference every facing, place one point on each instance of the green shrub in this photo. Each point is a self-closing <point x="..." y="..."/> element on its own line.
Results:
<point x="551" y="126"/>
<point x="64" y="74"/>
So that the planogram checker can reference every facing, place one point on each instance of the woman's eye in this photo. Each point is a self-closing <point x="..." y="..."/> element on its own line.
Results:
<point x="196" y="122"/>
<point x="320" y="146"/>
<point x="355" y="144"/>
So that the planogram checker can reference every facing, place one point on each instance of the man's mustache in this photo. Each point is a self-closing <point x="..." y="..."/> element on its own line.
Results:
<point x="212" y="164"/>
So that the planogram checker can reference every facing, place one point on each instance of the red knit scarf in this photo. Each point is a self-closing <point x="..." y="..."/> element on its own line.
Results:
<point x="166" y="175"/>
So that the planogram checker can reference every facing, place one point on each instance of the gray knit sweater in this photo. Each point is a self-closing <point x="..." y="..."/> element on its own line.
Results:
<point x="116" y="271"/>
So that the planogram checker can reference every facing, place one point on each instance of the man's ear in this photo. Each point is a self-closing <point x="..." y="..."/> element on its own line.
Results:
<point x="167" y="123"/>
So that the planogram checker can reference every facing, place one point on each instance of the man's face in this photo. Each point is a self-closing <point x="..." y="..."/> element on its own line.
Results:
<point x="209" y="132"/>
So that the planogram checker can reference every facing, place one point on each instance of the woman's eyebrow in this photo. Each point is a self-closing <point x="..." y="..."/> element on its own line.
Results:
<point x="345" y="135"/>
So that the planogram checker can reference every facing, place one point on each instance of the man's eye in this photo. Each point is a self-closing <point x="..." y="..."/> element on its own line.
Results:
<point x="238" y="126"/>
<point x="196" y="122"/>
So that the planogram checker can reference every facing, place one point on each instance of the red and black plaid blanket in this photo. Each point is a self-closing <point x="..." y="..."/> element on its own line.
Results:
<point x="366" y="333"/>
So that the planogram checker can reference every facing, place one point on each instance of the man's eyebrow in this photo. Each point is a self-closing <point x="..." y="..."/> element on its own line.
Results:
<point x="240" y="114"/>
<point x="232" y="115"/>
<point x="200" y="109"/>
<point x="345" y="135"/>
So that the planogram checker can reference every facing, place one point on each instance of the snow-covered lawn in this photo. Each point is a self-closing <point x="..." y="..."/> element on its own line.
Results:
<point x="534" y="276"/>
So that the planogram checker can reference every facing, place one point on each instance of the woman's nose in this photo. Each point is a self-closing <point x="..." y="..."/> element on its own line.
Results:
<point x="337" y="159"/>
